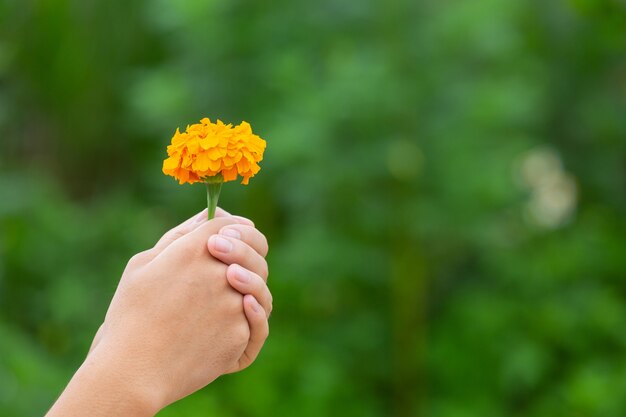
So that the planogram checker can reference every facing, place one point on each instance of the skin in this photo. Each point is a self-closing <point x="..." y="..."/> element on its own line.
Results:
<point x="190" y="309"/>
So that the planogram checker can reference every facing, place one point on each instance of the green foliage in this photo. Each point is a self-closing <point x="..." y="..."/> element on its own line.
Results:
<point x="443" y="192"/>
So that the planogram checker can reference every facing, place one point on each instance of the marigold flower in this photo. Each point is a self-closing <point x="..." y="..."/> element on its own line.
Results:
<point x="214" y="153"/>
<point x="207" y="149"/>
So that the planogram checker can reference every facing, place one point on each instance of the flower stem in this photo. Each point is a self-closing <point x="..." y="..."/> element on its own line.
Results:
<point x="213" y="188"/>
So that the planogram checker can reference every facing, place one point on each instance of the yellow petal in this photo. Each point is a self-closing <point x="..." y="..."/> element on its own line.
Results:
<point x="202" y="162"/>
<point x="215" y="165"/>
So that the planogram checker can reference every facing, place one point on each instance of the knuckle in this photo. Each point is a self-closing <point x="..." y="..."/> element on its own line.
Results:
<point x="133" y="262"/>
<point x="174" y="234"/>
<point x="264" y="245"/>
<point x="255" y="235"/>
<point x="139" y="259"/>
<point x="264" y="271"/>
<point x="268" y="300"/>
<point x="270" y="296"/>
<point x="265" y="332"/>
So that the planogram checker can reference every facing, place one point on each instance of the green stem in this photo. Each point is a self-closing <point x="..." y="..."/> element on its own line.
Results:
<point x="213" y="188"/>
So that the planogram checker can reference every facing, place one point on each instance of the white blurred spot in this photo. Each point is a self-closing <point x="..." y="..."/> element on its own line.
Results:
<point x="553" y="192"/>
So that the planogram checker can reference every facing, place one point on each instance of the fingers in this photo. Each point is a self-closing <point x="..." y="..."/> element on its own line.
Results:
<point x="247" y="234"/>
<point x="180" y="230"/>
<point x="247" y="282"/>
<point x="243" y="220"/>
<point x="259" y="330"/>
<point x="191" y="225"/>
<point x="234" y="251"/>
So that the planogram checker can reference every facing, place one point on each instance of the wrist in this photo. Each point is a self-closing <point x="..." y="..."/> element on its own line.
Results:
<point x="105" y="386"/>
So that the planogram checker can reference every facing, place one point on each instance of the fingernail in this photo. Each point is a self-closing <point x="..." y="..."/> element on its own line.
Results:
<point x="241" y="274"/>
<point x="255" y="305"/>
<point x="230" y="232"/>
<point x="221" y="244"/>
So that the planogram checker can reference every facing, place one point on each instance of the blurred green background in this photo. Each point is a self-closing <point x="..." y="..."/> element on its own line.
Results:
<point x="443" y="192"/>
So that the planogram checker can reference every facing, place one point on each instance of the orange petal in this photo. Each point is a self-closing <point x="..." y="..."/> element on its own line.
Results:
<point x="229" y="174"/>
<point x="243" y="165"/>
<point x="183" y="175"/>
<point x="202" y="162"/>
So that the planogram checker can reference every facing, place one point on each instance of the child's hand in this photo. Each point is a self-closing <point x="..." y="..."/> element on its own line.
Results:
<point x="175" y="324"/>
<point x="247" y="273"/>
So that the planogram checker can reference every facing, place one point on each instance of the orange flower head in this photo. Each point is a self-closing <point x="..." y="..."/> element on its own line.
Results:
<point x="207" y="149"/>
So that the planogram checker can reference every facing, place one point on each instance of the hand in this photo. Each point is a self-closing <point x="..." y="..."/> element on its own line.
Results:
<point x="244" y="250"/>
<point x="174" y="324"/>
